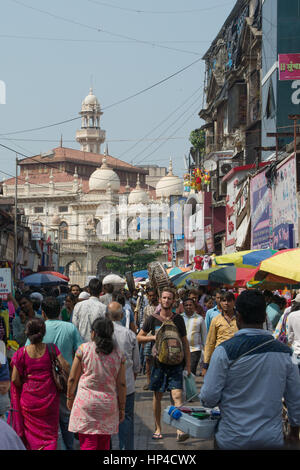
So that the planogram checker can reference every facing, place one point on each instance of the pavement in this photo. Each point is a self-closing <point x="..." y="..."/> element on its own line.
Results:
<point x="144" y="424"/>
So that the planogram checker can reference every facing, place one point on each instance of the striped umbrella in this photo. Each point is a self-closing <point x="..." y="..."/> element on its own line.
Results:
<point x="245" y="259"/>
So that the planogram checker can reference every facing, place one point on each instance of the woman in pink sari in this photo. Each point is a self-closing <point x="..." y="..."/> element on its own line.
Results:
<point x="34" y="396"/>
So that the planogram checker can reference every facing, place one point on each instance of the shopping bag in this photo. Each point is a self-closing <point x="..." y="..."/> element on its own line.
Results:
<point x="190" y="386"/>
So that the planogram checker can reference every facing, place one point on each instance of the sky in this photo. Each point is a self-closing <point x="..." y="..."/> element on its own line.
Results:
<point x="53" y="52"/>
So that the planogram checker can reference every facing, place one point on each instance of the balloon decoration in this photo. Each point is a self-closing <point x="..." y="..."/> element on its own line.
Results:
<point x="199" y="180"/>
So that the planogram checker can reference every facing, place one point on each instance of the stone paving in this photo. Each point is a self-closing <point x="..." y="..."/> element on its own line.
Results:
<point x="144" y="424"/>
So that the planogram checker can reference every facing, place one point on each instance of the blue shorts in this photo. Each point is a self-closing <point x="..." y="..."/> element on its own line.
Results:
<point x="148" y="349"/>
<point x="166" y="378"/>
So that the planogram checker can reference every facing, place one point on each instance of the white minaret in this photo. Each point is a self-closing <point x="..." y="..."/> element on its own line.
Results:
<point x="90" y="136"/>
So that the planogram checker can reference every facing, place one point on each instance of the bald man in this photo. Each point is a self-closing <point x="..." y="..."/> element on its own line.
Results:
<point x="126" y="341"/>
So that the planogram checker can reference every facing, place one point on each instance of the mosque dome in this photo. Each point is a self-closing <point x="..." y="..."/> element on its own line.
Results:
<point x="100" y="178"/>
<point x="138" y="195"/>
<point x="169" y="185"/>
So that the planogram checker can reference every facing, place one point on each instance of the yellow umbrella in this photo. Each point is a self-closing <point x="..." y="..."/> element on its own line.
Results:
<point x="285" y="263"/>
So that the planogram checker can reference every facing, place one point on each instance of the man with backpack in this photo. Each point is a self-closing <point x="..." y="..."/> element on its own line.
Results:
<point x="171" y="354"/>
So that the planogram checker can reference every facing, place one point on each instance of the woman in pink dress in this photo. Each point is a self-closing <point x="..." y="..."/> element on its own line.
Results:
<point x="99" y="371"/>
<point x="34" y="397"/>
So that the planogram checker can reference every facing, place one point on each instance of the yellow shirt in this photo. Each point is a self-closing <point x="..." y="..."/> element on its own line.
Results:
<point x="220" y="330"/>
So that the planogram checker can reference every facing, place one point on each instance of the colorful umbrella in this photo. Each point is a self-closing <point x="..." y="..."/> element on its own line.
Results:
<point x="55" y="273"/>
<point x="245" y="259"/>
<point x="42" y="279"/>
<point x="232" y="276"/>
<point x="202" y="277"/>
<point x="284" y="263"/>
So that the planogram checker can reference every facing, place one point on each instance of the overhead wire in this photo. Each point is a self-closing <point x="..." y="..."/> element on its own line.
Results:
<point x="101" y="30"/>
<point x="164" y="12"/>
<point x="106" y="107"/>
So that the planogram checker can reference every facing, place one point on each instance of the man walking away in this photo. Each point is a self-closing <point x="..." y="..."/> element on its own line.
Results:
<point x="86" y="312"/>
<point x="165" y="377"/>
<point x="127" y="343"/>
<point x="247" y="378"/>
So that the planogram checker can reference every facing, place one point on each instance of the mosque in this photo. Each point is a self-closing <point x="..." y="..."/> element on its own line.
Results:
<point x="78" y="198"/>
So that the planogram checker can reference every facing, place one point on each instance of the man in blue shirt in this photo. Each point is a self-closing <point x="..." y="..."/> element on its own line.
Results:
<point x="67" y="338"/>
<point x="273" y="309"/>
<point x="213" y="312"/>
<point x="247" y="378"/>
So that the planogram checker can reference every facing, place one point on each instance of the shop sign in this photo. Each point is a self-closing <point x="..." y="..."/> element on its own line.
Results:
<point x="36" y="231"/>
<point x="289" y="66"/>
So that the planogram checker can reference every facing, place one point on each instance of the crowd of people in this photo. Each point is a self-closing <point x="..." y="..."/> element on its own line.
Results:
<point x="245" y="345"/>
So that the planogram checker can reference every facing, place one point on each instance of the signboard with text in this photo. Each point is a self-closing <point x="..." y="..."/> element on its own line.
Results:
<point x="289" y="66"/>
<point x="5" y="283"/>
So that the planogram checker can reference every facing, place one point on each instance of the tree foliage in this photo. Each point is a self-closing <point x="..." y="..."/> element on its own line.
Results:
<point x="197" y="139"/>
<point x="132" y="257"/>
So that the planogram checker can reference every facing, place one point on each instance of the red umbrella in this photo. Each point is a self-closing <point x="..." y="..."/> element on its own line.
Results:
<point x="54" y="273"/>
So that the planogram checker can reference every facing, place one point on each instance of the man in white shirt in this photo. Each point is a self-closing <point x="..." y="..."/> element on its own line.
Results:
<point x="196" y="332"/>
<point x="86" y="312"/>
<point x="127" y="343"/>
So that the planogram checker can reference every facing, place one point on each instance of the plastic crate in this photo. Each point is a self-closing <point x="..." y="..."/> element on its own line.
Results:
<point x="200" y="428"/>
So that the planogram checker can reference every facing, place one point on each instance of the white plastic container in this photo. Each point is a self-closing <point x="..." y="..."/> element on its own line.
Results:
<point x="201" y="428"/>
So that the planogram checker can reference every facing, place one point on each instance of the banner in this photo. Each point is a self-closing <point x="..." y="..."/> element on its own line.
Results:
<point x="261" y="212"/>
<point x="284" y="199"/>
<point x="209" y="239"/>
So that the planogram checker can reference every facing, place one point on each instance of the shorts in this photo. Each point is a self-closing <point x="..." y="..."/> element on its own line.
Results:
<point x="148" y="349"/>
<point x="166" y="378"/>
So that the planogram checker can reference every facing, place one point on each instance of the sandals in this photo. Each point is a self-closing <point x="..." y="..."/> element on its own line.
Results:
<point x="182" y="437"/>
<point x="157" y="436"/>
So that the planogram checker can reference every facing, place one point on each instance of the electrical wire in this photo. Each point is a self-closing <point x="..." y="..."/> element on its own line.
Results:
<point x="102" y="30"/>
<point x="163" y="12"/>
<point x="109" y="106"/>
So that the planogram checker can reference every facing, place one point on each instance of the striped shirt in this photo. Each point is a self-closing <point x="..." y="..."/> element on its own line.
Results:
<point x="196" y="331"/>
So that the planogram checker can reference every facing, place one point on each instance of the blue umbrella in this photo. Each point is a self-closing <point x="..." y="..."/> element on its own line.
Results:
<point x="41" y="279"/>
<point x="143" y="273"/>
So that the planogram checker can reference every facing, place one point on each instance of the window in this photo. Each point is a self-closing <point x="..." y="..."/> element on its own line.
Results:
<point x="38" y="210"/>
<point x="63" y="231"/>
<point x="63" y="209"/>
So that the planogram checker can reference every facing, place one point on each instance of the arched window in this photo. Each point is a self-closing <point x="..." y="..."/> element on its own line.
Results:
<point x="63" y="231"/>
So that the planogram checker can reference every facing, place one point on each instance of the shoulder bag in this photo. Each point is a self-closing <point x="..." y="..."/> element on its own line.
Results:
<point x="60" y="376"/>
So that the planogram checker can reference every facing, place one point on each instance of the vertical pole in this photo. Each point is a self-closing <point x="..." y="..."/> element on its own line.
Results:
<point x="16" y="224"/>
<point x="295" y="136"/>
